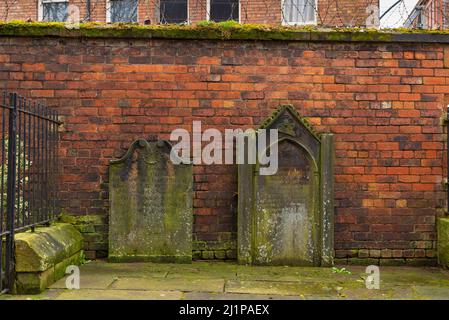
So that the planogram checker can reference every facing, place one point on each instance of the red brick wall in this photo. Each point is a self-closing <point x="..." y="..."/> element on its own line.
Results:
<point x="383" y="102"/>
<point x="264" y="11"/>
<point x="18" y="10"/>
<point x="430" y="13"/>
<point x="330" y="12"/>
<point x="28" y="10"/>
<point x="344" y="13"/>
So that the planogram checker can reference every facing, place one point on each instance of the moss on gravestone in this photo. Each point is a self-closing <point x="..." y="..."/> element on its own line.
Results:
<point x="33" y="282"/>
<point x="39" y="250"/>
<point x="443" y="241"/>
<point x="151" y="206"/>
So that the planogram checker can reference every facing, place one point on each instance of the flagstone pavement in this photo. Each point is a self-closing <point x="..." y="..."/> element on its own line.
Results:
<point x="230" y="281"/>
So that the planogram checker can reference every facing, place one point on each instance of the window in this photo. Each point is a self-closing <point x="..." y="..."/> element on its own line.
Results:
<point x="173" y="11"/>
<point x="299" y="11"/>
<point x="223" y="10"/>
<point x="53" y="10"/>
<point x="121" y="11"/>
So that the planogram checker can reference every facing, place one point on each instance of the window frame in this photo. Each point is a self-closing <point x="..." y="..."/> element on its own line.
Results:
<point x="188" y="13"/>
<point x="208" y="10"/>
<point x="108" y="12"/>
<point x="287" y="23"/>
<point x="40" y="11"/>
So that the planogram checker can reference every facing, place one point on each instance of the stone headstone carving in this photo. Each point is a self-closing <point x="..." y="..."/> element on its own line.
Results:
<point x="287" y="218"/>
<point x="150" y="205"/>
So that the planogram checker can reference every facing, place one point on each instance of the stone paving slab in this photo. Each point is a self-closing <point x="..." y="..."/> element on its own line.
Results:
<point x="432" y="292"/>
<point x="398" y="293"/>
<point x="282" y="288"/>
<point x="46" y="295"/>
<point x="181" y="284"/>
<point x="109" y="294"/>
<point x="88" y="281"/>
<point x="229" y="281"/>
<point x="236" y="296"/>
<point x="136" y="269"/>
<point x="414" y="276"/>
<point x="292" y="274"/>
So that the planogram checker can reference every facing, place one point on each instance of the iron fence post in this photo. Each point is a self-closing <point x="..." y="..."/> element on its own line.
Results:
<point x="11" y="185"/>
<point x="27" y="173"/>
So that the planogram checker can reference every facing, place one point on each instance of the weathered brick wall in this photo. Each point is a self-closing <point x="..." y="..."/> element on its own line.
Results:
<point x="383" y="102"/>
<point x="344" y="13"/>
<point x="18" y="10"/>
<point x="265" y="11"/>
<point x="27" y="10"/>
<point x="330" y="12"/>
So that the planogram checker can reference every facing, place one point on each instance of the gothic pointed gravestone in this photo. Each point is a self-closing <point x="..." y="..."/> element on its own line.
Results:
<point x="150" y="205"/>
<point x="287" y="218"/>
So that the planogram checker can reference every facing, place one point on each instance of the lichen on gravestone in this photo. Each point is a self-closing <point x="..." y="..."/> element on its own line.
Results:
<point x="150" y="205"/>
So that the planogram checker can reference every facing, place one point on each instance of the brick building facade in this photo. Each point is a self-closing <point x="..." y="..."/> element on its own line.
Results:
<point x="429" y="14"/>
<point x="382" y="100"/>
<point x="321" y="12"/>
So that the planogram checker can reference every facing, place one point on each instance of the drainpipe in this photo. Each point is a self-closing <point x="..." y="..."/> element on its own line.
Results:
<point x="420" y="10"/>
<point x="88" y="10"/>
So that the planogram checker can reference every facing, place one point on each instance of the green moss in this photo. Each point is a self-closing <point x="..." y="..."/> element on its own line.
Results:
<point x="82" y="220"/>
<point x="214" y="245"/>
<point x="443" y="241"/>
<point x="65" y="218"/>
<point x="162" y="192"/>
<point x="150" y="258"/>
<point x="280" y="110"/>
<point x="37" y="251"/>
<point x="357" y="35"/>
<point x="206" y="30"/>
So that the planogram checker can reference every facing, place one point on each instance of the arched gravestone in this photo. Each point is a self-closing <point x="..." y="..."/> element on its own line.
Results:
<point x="287" y="218"/>
<point x="150" y="205"/>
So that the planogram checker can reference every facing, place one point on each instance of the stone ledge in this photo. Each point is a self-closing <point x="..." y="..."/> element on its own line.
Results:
<point x="148" y="258"/>
<point x="215" y="250"/>
<point x="43" y="255"/>
<point x="94" y="229"/>
<point x="38" y="251"/>
<point x="415" y="262"/>
<point x="443" y="241"/>
<point x="37" y="282"/>
<point x="220" y="31"/>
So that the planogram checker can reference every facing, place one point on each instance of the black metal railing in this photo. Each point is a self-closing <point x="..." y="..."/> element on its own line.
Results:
<point x="28" y="173"/>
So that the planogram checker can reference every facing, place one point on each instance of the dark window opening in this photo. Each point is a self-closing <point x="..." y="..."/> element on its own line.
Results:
<point x="299" y="11"/>
<point x="224" y="10"/>
<point x="123" y="10"/>
<point x="173" y="11"/>
<point x="55" y="11"/>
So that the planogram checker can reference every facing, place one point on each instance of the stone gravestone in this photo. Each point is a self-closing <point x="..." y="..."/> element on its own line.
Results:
<point x="287" y="218"/>
<point x="150" y="205"/>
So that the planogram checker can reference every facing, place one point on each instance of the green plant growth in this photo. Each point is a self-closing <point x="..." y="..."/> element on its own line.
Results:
<point x="340" y="270"/>
<point x="205" y="23"/>
<point x="83" y="259"/>
<point x="21" y="205"/>
<point x="210" y="30"/>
